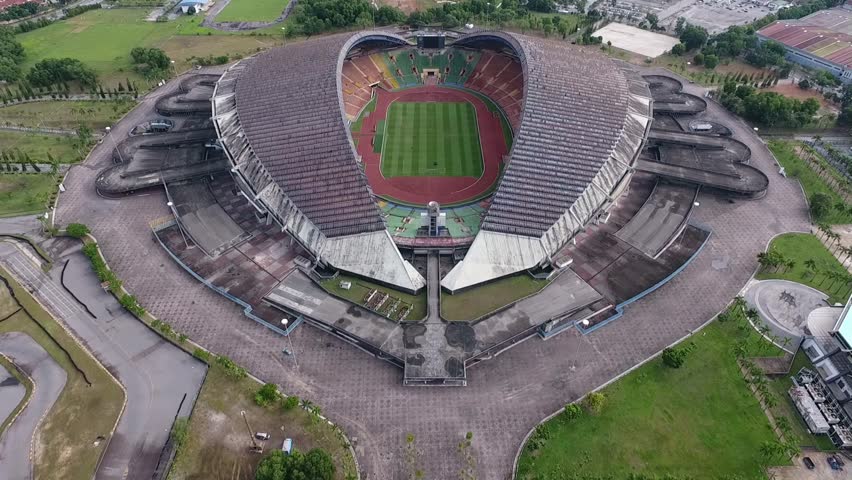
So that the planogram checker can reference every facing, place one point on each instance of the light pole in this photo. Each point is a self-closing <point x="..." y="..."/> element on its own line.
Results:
<point x="284" y="36"/>
<point x="584" y="323"/>
<point x="114" y="145"/>
<point x="287" y="334"/>
<point x="174" y="71"/>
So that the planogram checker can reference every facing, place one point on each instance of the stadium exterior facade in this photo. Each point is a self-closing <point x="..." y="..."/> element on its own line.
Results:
<point x="280" y="119"/>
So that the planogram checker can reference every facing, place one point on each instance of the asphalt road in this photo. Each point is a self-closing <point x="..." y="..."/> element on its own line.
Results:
<point x="159" y="378"/>
<point x="49" y="379"/>
<point x="11" y="393"/>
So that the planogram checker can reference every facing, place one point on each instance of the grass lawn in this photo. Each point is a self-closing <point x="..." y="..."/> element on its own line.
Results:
<point x="698" y="421"/>
<point x="360" y="288"/>
<point x="785" y="407"/>
<point x="65" y="114"/>
<point x="38" y="145"/>
<point x="64" y="445"/>
<point x="217" y="446"/>
<point x="252" y="11"/>
<point x="102" y="39"/>
<point x="431" y="139"/>
<point x="801" y="247"/>
<point x="799" y="169"/>
<point x="21" y="194"/>
<point x="476" y="302"/>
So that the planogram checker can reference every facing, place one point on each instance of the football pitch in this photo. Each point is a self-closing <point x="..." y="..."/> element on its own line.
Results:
<point x="431" y="139"/>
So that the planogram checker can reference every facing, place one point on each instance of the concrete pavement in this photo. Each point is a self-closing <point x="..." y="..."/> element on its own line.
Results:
<point x="784" y="307"/>
<point x="49" y="379"/>
<point x="12" y="392"/>
<point x="507" y="395"/>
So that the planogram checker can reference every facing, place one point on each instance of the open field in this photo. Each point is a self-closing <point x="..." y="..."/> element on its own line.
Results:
<point x="797" y="168"/>
<point x="360" y="288"/>
<point x="786" y="407"/>
<point x="65" y="114"/>
<point x="37" y="146"/>
<point x="252" y="11"/>
<point x="435" y="139"/>
<point x="217" y="446"/>
<point x="474" y="303"/>
<point x="650" y="423"/>
<point x="82" y="412"/>
<point x="21" y="194"/>
<point x="801" y="247"/>
<point x="102" y="39"/>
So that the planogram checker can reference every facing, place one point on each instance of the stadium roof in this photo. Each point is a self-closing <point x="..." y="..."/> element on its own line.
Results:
<point x="825" y="34"/>
<point x="281" y="120"/>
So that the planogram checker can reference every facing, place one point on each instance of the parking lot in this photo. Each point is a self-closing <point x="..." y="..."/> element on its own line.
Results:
<point x="821" y="469"/>
<point x="714" y="15"/>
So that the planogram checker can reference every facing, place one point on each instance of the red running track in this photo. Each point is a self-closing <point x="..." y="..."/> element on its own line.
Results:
<point x="444" y="190"/>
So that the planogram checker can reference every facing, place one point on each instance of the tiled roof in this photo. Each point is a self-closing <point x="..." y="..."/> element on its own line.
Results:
<point x="825" y="34"/>
<point x="575" y="106"/>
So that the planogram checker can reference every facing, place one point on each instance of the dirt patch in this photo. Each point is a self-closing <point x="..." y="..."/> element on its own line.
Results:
<point x="793" y="91"/>
<point x="409" y="6"/>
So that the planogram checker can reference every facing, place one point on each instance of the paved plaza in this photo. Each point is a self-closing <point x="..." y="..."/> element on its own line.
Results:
<point x="784" y="306"/>
<point x="506" y="396"/>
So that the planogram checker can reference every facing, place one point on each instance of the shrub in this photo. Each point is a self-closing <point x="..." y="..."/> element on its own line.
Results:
<point x="180" y="433"/>
<point x="595" y="402"/>
<point x="572" y="411"/>
<point x="129" y="302"/>
<point x="267" y="395"/>
<point x="201" y="354"/>
<point x="231" y="369"/>
<point x="77" y="230"/>
<point x="674" y="357"/>
<point x="290" y="402"/>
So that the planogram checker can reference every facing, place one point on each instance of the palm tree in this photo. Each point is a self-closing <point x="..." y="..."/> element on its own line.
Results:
<point x="811" y="265"/>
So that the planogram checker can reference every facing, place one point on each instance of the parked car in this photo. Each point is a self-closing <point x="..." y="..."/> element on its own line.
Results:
<point x="261" y="436"/>
<point x="838" y="460"/>
<point x="809" y="464"/>
<point x="832" y="462"/>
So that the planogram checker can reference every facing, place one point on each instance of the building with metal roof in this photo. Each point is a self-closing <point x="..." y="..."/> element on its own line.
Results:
<point x="822" y="40"/>
<point x="281" y="120"/>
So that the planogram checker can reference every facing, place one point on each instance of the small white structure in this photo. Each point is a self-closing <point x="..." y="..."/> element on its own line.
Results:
<point x="192" y="7"/>
<point x="809" y="410"/>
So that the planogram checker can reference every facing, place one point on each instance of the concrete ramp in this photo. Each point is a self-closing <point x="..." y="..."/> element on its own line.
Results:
<point x="661" y="218"/>
<point x="202" y="218"/>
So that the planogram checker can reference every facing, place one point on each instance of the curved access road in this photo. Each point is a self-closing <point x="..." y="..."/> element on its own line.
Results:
<point x="49" y="379"/>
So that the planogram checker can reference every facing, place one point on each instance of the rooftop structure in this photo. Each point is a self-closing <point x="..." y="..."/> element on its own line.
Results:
<point x="821" y="40"/>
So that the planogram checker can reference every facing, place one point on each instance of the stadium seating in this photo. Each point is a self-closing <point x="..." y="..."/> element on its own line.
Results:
<point x="500" y="78"/>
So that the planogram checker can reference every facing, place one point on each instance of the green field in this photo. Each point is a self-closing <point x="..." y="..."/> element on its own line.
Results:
<point x="252" y="11"/>
<point x="801" y="247"/>
<point x="37" y="146"/>
<point x="102" y="39"/>
<point x="23" y="194"/>
<point x="699" y="421"/>
<point x="476" y="302"/>
<point x="65" y="114"/>
<point x="431" y="139"/>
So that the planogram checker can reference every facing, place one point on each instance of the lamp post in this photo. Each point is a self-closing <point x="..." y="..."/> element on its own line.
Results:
<point x="174" y="71"/>
<point x="584" y="323"/>
<point x="292" y="349"/>
<point x="114" y="145"/>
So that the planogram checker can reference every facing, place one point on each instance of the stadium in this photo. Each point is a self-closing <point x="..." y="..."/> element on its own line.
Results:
<point x="433" y="198"/>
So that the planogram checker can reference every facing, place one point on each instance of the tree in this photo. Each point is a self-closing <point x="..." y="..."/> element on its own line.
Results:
<point x="674" y="357"/>
<point x="316" y="465"/>
<point x="693" y="36"/>
<point x="710" y="61"/>
<point x="820" y="204"/>
<point x="572" y="411"/>
<point x="679" y="49"/>
<point x="51" y="71"/>
<point x="804" y="84"/>
<point x="698" y="59"/>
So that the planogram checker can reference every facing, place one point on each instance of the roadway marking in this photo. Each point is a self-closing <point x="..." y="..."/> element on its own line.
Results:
<point x="39" y="284"/>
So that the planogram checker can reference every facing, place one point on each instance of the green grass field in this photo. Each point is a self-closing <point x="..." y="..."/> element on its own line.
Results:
<point x="102" y="39"/>
<point x="476" y="302"/>
<point x="697" y="421"/>
<point x="252" y="11"/>
<point x="431" y="139"/>
<point x="38" y="145"/>
<point x="66" y="114"/>
<point x="801" y="247"/>
<point x="22" y="194"/>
